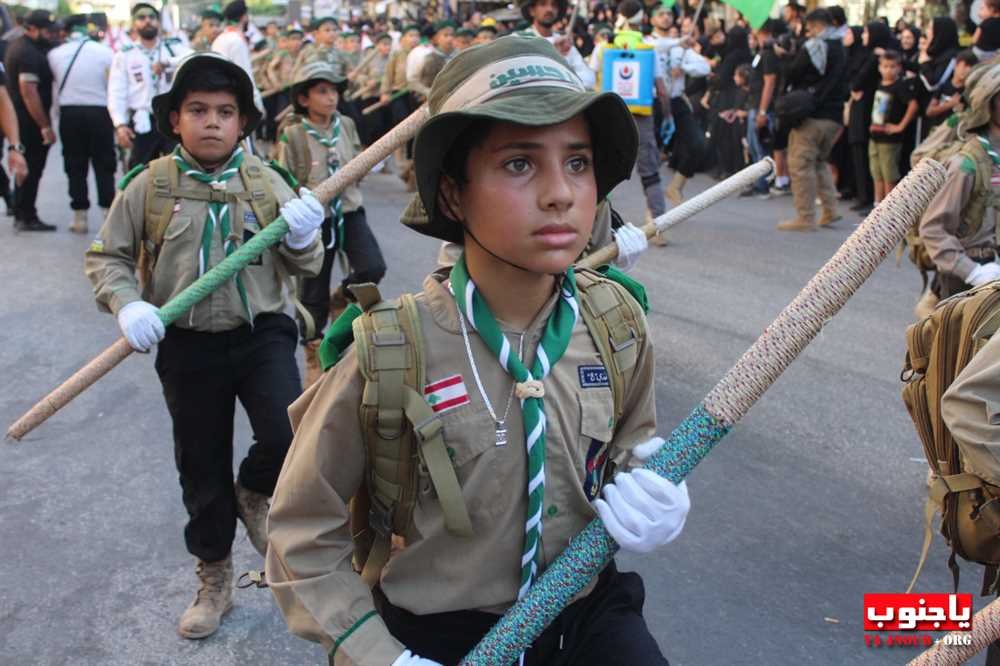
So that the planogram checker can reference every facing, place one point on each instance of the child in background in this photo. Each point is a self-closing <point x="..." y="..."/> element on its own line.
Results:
<point x="894" y="108"/>
<point x="948" y="98"/>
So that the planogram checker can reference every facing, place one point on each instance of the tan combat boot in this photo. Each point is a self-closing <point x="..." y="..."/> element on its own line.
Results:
<point x="827" y="218"/>
<point x="79" y="223"/>
<point x="796" y="225"/>
<point x="675" y="190"/>
<point x="213" y="599"/>
<point x="313" y="368"/>
<point x="251" y="507"/>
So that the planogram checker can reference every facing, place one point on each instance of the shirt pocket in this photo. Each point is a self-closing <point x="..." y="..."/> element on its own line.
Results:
<point x="178" y="254"/>
<point x="470" y="440"/>
<point x="593" y="455"/>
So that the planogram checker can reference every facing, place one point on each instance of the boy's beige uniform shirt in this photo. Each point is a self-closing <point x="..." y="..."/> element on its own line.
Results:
<point x="348" y="146"/>
<point x="394" y="77"/>
<point x="971" y="410"/>
<point x="309" y="556"/>
<point x="939" y="226"/>
<point x="110" y="263"/>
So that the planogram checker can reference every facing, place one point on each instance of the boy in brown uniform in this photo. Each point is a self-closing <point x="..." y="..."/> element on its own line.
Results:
<point x="176" y="219"/>
<point x="313" y="150"/>
<point x="508" y="171"/>
<point x="401" y="104"/>
<point x="958" y="228"/>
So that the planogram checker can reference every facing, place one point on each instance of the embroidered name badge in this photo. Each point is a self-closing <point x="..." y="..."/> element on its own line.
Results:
<point x="250" y="221"/>
<point x="593" y="376"/>
<point x="447" y="393"/>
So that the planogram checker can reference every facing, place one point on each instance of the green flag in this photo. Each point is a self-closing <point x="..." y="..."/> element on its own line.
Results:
<point x="755" y="11"/>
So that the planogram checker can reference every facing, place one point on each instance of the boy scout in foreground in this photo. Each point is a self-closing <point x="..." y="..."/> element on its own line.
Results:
<point x="513" y="168"/>
<point x="313" y="150"/>
<point x="176" y="218"/>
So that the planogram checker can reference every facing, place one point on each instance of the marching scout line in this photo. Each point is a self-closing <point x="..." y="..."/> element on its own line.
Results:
<point x="244" y="304"/>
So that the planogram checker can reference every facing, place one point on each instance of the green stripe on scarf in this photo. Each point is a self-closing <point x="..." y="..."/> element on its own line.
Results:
<point x="555" y="340"/>
<point x="336" y="208"/>
<point x="218" y="216"/>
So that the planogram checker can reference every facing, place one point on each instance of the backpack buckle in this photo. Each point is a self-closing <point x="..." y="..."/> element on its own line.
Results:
<point x="380" y="518"/>
<point x="427" y="429"/>
<point x="388" y="339"/>
<point x="624" y="344"/>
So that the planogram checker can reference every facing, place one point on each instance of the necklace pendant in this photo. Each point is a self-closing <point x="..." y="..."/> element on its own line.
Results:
<point x="500" y="428"/>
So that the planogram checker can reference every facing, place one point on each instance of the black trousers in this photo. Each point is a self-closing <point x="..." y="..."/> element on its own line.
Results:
<point x="604" y="629"/>
<point x="864" y="190"/>
<point x="376" y="123"/>
<point x="147" y="147"/>
<point x="366" y="265"/>
<point x="400" y="109"/>
<point x="202" y="376"/>
<point x="26" y="194"/>
<point x="688" y="144"/>
<point x="88" y="138"/>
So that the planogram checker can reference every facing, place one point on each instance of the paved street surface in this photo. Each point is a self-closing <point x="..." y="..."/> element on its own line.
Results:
<point x="815" y="499"/>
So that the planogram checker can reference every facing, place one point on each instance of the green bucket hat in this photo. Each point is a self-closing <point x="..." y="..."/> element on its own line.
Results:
<point x="521" y="80"/>
<point x="199" y="60"/>
<point x="315" y="70"/>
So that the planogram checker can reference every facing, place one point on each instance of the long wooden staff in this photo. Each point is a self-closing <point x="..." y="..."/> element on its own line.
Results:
<point x="272" y="234"/>
<point x="378" y="105"/>
<point x="782" y="341"/>
<point x="736" y="183"/>
<point x="952" y="650"/>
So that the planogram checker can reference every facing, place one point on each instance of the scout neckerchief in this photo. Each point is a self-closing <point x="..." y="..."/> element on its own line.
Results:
<point x="218" y="216"/>
<point x="555" y="340"/>
<point x="332" y="162"/>
<point x="994" y="157"/>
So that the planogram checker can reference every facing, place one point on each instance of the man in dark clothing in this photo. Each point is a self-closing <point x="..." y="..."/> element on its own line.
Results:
<point x="30" y="86"/>
<point x="818" y="67"/>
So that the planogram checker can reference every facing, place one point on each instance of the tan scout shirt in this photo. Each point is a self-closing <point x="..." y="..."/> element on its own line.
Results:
<point x="110" y="262"/>
<point x="394" y="77"/>
<point x="279" y="70"/>
<point x="309" y="558"/>
<point x="348" y="146"/>
<point x="369" y="77"/>
<point x="971" y="410"/>
<point x="940" y="224"/>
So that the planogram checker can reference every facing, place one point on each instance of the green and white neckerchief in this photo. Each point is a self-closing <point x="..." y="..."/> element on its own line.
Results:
<point x="218" y="216"/>
<point x="336" y="208"/>
<point x="990" y="150"/>
<point x="528" y="388"/>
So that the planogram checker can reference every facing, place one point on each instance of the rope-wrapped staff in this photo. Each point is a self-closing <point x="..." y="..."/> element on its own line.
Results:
<point x="736" y="183"/>
<point x="224" y="271"/>
<point x="591" y="550"/>
<point x="952" y="650"/>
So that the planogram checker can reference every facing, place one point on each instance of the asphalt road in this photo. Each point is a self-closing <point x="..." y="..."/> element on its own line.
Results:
<point x="813" y="500"/>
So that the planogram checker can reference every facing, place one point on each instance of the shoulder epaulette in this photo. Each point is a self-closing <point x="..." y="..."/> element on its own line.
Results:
<point x="285" y="174"/>
<point x="127" y="178"/>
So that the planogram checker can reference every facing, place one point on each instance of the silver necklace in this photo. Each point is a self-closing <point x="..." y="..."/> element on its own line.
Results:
<point x="499" y="424"/>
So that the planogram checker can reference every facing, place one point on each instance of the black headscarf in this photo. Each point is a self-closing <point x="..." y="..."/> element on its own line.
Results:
<point x="945" y="37"/>
<point x="736" y="52"/>
<point x="879" y="35"/>
<point x="989" y="35"/>
<point x="857" y="54"/>
<point x="913" y="54"/>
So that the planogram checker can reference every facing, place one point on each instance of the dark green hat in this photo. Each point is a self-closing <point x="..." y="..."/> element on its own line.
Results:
<point x="315" y="70"/>
<point x="382" y="37"/>
<point x="525" y="6"/>
<point x="465" y="32"/>
<point x="163" y="102"/>
<point x="320" y="20"/>
<point x="213" y="12"/>
<point x="412" y="27"/>
<point x="442" y="25"/>
<point x="520" y="80"/>
<point x="293" y="30"/>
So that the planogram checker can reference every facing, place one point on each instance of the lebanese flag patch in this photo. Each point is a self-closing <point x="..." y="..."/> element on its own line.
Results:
<point x="446" y="393"/>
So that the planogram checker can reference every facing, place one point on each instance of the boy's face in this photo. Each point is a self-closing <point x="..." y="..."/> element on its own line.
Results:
<point x="888" y="69"/>
<point x="352" y="43"/>
<point x="209" y="124"/>
<point x="321" y="99"/>
<point x="461" y="43"/>
<point x="962" y="70"/>
<point x="444" y="40"/>
<point x="325" y="35"/>
<point x="410" y="39"/>
<point x="384" y="46"/>
<point x="294" y="43"/>
<point x="484" y="37"/>
<point x="530" y="195"/>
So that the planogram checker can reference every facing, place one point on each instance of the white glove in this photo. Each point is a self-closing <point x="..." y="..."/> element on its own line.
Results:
<point x="410" y="659"/>
<point x="631" y="242"/>
<point x="984" y="273"/>
<point x="642" y="510"/>
<point x="304" y="217"/>
<point x="141" y="325"/>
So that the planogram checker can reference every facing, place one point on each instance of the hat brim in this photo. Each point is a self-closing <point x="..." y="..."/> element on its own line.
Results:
<point x="162" y="102"/>
<point x="613" y="135"/>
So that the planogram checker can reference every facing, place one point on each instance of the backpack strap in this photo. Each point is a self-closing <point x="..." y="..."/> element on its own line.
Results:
<point x="298" y="142"/>
<point x="262" y="200"/>
<point x="615" y="322"/>
<point x="161" y="193"/>
<point x="403" y="436"/>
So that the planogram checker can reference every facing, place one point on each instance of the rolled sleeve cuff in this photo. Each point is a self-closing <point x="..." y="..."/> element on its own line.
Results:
<point x="122" y="297"/>
<point x="367" y="643"/>
<point x="964" y="266"/>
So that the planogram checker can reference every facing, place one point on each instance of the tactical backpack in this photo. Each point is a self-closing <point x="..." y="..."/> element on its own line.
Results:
<point x="164" y="191"/>
<point x="294" y="134"/>
<point x="403" y="436"/>
<point x="937" y="349"/>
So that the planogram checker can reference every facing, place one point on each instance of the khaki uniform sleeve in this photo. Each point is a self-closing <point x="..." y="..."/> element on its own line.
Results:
<point x="971" y="410"/>
<point x="309" y="538"/>
<point x="387" y="75"/>
<point x="941" y="220"/>
<point x="111" y="260"/>
<point x="309" y="260"/>
<point x="638" y="422"/>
